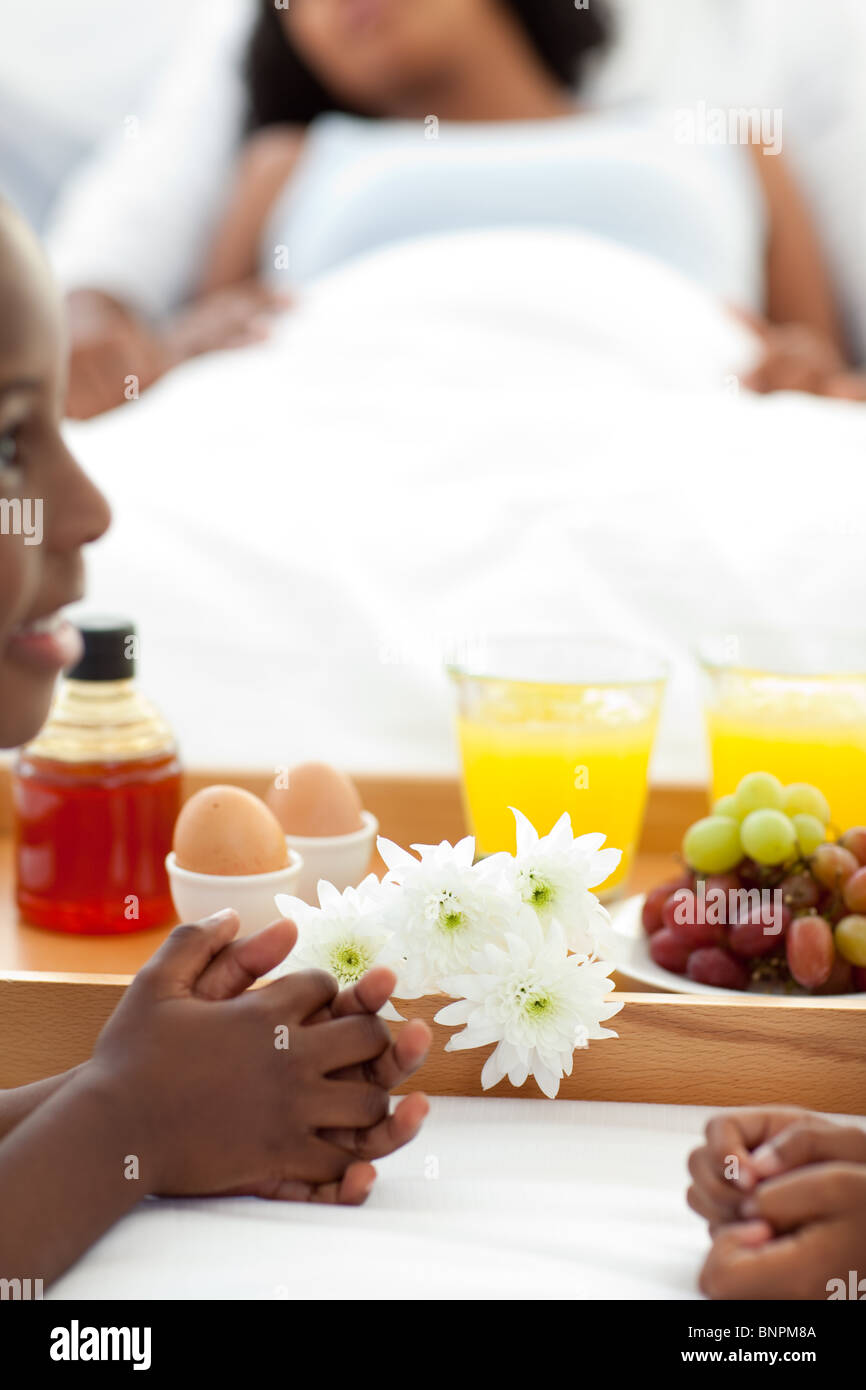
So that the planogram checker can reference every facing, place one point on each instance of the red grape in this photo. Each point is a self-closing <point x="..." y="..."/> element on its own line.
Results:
<point x="832" y="907"/>
<point x="858" y="978"/>
<point x="854" y="891"/>
<point x="668" y="952"/>
<point x="655" y="901"/>
<point x="686" y="917"/>
<point x="678" y="906"/>
<point x="855" y="841"/>
<point x="800" y="891"/>
<point x="754" y="936"/>
<point x="751" y="875"/>
<point x="712" y="965"/>
<point x="811" y="951"/>
<point x="698" y="932"/>
<point x="832" y="865"/>
<point x="728" y="883"/>
<point x="839" y="981"/>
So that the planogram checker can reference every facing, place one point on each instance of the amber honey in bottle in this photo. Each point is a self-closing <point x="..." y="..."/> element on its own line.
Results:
<point x="96" y="795"/>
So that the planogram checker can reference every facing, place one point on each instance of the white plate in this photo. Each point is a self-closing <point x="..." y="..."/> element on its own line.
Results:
<point x="627" y="947"/>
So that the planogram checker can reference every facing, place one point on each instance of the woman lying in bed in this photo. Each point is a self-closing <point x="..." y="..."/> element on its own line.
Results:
<point x="374" y="121"/>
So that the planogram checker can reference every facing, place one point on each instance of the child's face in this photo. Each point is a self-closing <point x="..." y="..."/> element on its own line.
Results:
<point x="48" y="508"/>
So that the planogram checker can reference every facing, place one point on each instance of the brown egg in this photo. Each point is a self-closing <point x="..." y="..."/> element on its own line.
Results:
<point x="224" y="830"/>
<point x="318" y="802"/>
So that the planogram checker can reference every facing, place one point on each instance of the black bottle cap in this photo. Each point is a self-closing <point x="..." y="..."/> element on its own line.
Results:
<point x="110" y="650"/>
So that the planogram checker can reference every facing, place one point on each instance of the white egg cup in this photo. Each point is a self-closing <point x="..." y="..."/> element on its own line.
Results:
<point x="251" y="895"/>
<point x="341" y="859"/>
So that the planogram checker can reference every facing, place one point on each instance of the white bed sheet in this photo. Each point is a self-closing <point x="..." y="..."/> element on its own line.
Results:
<point x="511" y="430"/>
<point x="497" y="1198"/>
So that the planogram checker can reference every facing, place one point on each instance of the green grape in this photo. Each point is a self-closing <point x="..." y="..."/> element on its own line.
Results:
<point x="811" y="832"/>
<point x="768" y="837"/>
<point x="803" y="799"/>
<point x="850" y="937"/>
<point x="726" y="806"/>
<point x="712" y="845"/>
<point x="758" y="791"/>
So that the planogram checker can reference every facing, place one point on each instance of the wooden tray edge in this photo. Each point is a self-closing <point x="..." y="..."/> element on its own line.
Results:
<point x="671" y="1049"/>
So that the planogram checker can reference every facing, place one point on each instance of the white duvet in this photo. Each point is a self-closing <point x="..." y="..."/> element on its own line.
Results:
<point x="517" y="430"/>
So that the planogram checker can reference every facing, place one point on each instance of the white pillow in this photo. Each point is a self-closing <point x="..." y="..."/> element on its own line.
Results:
<point x="807" y="60"/>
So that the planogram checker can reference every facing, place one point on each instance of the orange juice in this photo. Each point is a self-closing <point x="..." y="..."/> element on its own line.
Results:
<point x="555" y="724"/>
<point x="599" y="777"/>
<point x="803" y="730"/>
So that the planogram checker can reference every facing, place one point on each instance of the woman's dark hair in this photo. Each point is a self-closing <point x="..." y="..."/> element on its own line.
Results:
<point x="283" y="91"/>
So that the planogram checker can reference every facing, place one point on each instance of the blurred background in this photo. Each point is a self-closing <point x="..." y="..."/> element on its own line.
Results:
<point x="445" y="440"/>
<point x="71" y="76"/>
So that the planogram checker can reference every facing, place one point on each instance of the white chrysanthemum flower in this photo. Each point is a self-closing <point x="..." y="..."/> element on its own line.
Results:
<point x="346" y="934"/>
<point x="555" y="874"/>
<point x="446" y="908"/>
<point x="533" y="999"/>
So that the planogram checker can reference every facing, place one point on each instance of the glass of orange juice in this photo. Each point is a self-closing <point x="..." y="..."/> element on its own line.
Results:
<point x="793" y="704"/>
<point x="554" y="724"/>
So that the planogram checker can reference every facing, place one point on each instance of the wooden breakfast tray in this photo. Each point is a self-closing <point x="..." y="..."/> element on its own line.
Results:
<point x="56" y="991"/>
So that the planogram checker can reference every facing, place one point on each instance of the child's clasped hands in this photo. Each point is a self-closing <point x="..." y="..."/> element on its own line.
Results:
<point x="784" y="1192"/>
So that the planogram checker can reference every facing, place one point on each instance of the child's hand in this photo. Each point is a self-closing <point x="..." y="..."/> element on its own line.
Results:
<point x="237" y="964"/>
<point x="743" y="1147"/>
<point x="209" y="1099"/>
<point x="232" y="967"/>
<point x="800" y="1231"/>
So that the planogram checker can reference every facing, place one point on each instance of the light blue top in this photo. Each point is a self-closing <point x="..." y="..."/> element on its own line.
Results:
<point x="362" y="184"/>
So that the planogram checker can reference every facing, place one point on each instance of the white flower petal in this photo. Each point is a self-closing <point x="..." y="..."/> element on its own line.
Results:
<point x="291" y="907"/>
<point x="601" y="866"/>
<point x="548" y="1080"/>
<point x="388" y="1011"/>
<point x="590" y="843"/>
<point x="459" y="1012"/>
<point x="525" y="832"/>
<point x="518" y="1073"/>
<point x="329" y="896"/>
<point x="492" y="1072"/>
<point x="393" y="856"/>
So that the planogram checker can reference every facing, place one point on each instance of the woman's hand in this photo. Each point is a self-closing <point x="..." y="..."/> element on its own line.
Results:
<point x="227" y="318"/>
<point x="230" y="1095"/>
<point x="800" y="358"/>
<point x="802" y="1236"/>
<point x="113" y="355"/>
<point x="745" y="1147"/>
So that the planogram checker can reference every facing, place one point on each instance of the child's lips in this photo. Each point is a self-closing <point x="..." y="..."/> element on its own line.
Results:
<point x="48" y="645"/>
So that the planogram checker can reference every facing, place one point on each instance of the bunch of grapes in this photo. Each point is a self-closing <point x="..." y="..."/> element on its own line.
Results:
<point x="707" y="924"/>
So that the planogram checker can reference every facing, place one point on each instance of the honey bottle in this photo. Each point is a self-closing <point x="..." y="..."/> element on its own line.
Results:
<point x="96" y="795"/>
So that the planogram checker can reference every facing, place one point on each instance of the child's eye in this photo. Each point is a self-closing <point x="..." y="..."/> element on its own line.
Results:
<point x="9" y="448"/>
